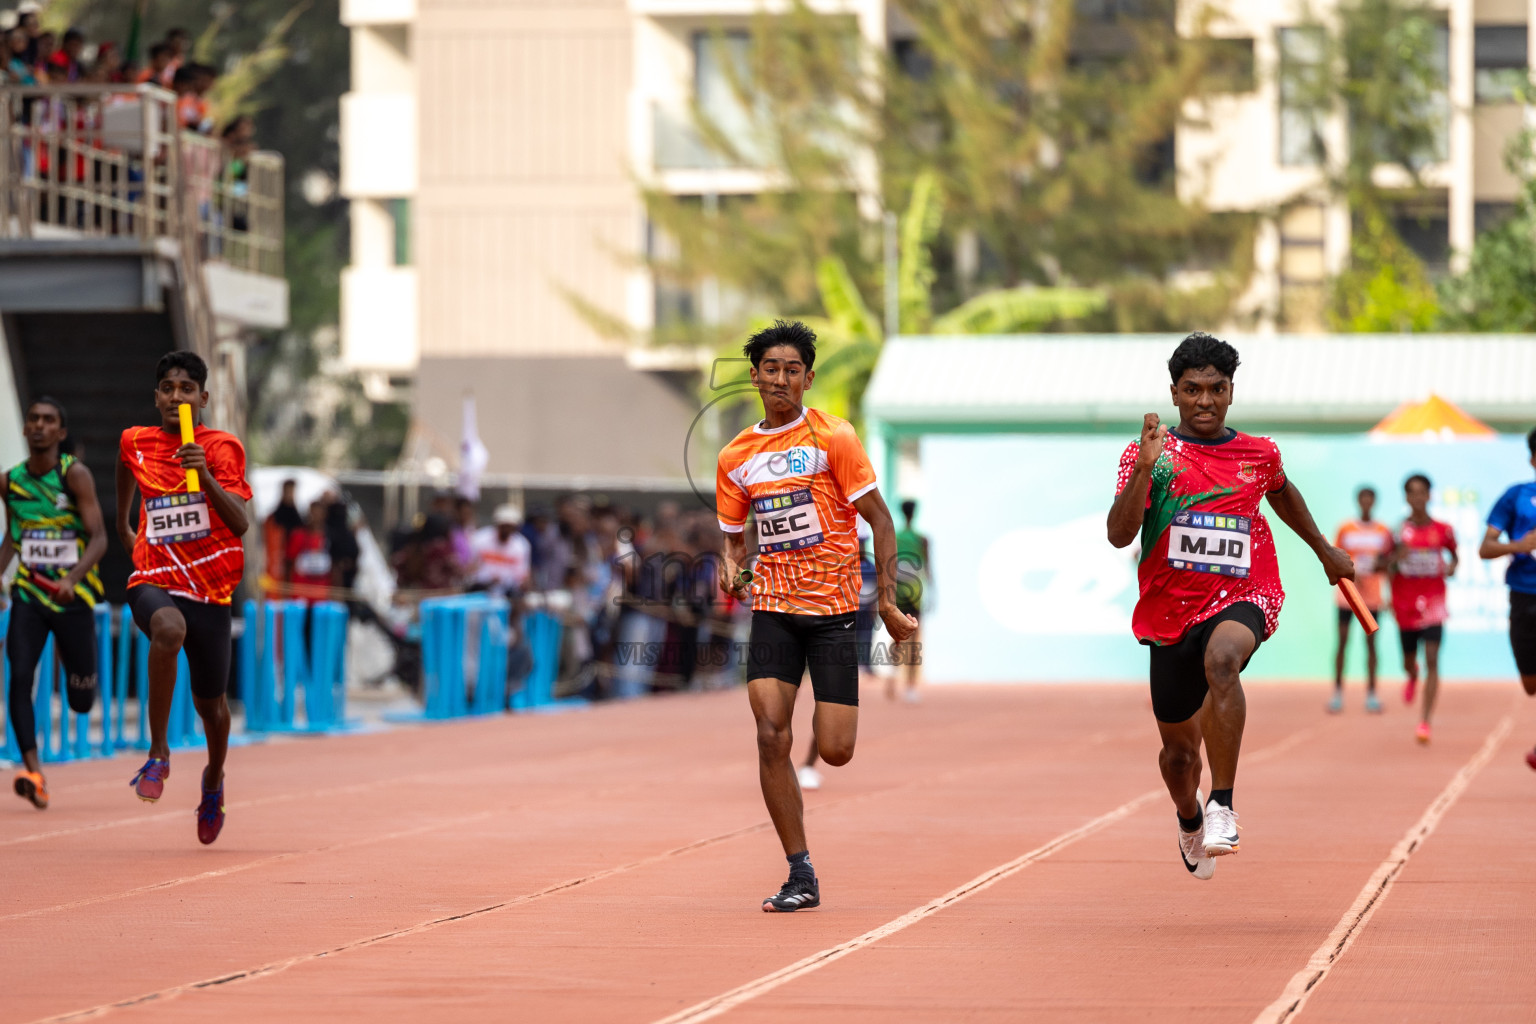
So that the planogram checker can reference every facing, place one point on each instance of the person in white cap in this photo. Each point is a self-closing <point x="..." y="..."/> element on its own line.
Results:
<point x="503" y="556"/>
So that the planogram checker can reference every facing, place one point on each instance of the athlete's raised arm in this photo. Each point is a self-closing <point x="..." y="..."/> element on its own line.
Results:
<point x="83" y="488"/>
<point x="127" y="490"/>
<point x="1130" y="506"/>
<point x="872" y="507"/>
<point x="230" y="507"/>
<point x="1292" y="509"/>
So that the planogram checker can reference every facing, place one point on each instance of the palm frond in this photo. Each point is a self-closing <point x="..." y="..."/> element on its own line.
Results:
<point x="1018" y="310"/>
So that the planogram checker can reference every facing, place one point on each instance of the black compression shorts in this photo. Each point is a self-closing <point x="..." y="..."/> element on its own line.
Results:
<point x="1522" y="631"/>
<point x="1179" y="684"/>
<point x="74" y="631"/>
<point x="207" y="640"/>
<point x="783" y="646"/>
<point x="1410" y="637"/>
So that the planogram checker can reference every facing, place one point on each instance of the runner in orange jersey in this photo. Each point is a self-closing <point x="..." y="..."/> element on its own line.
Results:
<point x="1369" y="542"/>
<point x="802" y="474"/>
<point x="187" y="560"/>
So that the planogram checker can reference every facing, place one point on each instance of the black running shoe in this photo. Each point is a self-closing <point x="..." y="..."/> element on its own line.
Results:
<point x="799" y="893"/>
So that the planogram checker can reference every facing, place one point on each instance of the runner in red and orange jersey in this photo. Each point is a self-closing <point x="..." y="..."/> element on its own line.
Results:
<point x="187" y="561"/>
<point x="1209" y="578"/>
<point x="802" y="474"/>
<point x="1368" y="543"/>
<point x="1419" y="570"/>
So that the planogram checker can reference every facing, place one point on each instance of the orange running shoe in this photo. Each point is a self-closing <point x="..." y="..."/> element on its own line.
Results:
<point x="1422" y="734"/>
<point x="32" y="786"/>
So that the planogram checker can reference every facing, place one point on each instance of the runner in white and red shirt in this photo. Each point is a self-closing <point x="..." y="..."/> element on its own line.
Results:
<point x="1419" y="569"/>
<point x="1210" y="582"/>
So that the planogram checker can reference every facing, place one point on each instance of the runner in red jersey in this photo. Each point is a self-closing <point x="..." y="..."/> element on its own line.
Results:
<point x="1419" y="571"/>
<point x="187" y="561"/>
<point x="1210" y="582"/>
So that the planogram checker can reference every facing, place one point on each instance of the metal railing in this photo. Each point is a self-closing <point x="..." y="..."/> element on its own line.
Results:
<point x="104" y="160"/>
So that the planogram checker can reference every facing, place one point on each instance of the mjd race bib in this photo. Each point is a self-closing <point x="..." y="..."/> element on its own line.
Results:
<point x="787" y="522"/>
<point x="49" y="549"/>
<point x="174" y="518"/>
<point x="1209" y="543"/>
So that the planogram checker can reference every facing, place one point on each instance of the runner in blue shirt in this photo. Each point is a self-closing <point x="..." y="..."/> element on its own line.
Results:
<point x="1514" y="516"/>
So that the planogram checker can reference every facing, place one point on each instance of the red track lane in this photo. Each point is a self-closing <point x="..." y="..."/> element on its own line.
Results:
<point x="607" y="866"/>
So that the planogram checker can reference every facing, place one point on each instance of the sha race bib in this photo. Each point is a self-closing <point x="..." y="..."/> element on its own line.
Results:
<point x="49" y="549"/>
<point x="174" y="518"/>
<point x="1208" y="543"/>
<point x="787" y="522"/>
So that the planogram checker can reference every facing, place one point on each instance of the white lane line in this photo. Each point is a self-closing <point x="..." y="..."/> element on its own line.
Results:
<point x="727" y="1001"/>
<point x="1306" y="981"/>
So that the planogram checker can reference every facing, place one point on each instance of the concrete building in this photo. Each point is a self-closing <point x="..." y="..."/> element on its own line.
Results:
<point x="491" y="152"/>
<point x="1252" y="149"/>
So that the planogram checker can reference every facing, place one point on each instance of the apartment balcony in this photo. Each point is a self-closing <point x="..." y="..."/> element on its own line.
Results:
<point x="378" y="145"/>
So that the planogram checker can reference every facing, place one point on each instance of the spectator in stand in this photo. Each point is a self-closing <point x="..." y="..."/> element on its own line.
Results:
<point x="180" y="41"/>
<point x="19" y="70"/>
<point x="503" y="557"/>
<point x="66" y="65"/>
<point x="191" y="84"/>
<point x="341" y="542"/>
<point x="311" y="556"/>
<point x="27" y="13"/>
<point x="108" y="66"/>
<point x="44" y="45"/>
<point x="159" y="71"/>
<point x="276" y="532"/>
<point x="239" y="143"/>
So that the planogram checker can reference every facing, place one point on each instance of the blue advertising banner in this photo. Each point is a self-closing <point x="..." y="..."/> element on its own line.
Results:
<point x="1026" y="587"/>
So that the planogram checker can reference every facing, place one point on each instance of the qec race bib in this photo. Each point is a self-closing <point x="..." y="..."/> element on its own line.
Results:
<point x="787" y="522"/>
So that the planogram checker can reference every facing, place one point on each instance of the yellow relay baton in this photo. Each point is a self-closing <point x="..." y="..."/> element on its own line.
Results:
<point x="185" y="412"/>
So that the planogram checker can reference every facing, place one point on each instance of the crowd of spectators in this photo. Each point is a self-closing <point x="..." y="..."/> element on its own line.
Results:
<point x="636" y="593"/>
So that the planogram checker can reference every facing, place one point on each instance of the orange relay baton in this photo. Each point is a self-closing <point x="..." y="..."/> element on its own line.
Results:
<point x="185" y="412"/>
<point x="1357" y="605"/>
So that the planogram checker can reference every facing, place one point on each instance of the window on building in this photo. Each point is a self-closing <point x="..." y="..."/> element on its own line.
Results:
<point x="722" y="63"/>
<point x="1303" y="84"/>
<point x="1424" y="226"/>
<point x="1487" y="216"/>
<point x="1500" y="63"/>
<point x="400" y="211"/>
<point x="1229" y="65"/>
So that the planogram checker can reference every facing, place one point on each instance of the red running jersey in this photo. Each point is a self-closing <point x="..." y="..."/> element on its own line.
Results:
<point x="800" y="481"/>
<point x="1204" y="545"/>
<point x="1418" y="586"/>
<point x="182" y="546"/>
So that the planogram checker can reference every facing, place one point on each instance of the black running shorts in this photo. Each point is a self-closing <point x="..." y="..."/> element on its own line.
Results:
<point x="1522" y="631"/>
<point x="1346" y="616"/>
<point x="207" y="642"/>
<point x="783" y="646"/>
<point x="1179" y="685"/>
<point x="1410" y="637"/>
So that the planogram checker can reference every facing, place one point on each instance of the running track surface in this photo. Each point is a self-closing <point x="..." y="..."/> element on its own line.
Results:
<point x="607" y="865"/>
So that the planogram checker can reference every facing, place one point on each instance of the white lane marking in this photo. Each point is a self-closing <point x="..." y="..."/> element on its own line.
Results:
<point x="727" y="1001"/>
<point x="1305" y="981"/>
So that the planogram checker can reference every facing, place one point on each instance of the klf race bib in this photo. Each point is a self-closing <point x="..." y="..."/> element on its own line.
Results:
<point x="787" y="522"/>
<point x="174" y="518"/>
<point x="1209" y="543"/>
<point x="49" y="549"/>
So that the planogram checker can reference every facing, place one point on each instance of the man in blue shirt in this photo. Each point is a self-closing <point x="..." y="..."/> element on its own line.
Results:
<point x="1514" y="516"/>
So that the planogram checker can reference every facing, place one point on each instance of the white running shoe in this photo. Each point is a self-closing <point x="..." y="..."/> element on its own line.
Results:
<point x="1220" y="830"/>
<point x="1192" y="849"/>
<point x="809" y="777"/>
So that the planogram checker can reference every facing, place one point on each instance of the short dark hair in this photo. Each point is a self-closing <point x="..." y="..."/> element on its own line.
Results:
<point x="1530" y="441"/>
<point x="160" y="50"/>
<point x="1200" y="350"/>
<point x="58" y="407"/>
<point x="177" y="32"/>
<point x="190" y="362"/>
<point x="73" y="35"/>
<point x="783" y="332"/>
<point x="1367" y="489"/>
<point x="183" y="75"/>
<point x="909" y="508"/>
<point x="1421" y="478"/>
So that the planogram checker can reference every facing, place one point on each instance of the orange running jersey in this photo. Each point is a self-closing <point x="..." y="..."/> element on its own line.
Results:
<point x="1367" y="544"/>
<point x="182" y="547"/>
<point x="800" y="481"/>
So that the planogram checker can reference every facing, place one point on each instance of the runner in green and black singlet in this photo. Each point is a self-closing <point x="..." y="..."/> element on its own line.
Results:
<point x="53" y="522"/>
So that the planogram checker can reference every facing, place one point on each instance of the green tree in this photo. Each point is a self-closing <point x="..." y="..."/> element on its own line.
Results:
<point x="1497" y="291"/>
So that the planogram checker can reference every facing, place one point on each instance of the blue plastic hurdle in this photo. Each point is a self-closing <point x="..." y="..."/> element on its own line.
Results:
<point x="291" y="651"/>
<point x="475" y="630"/>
